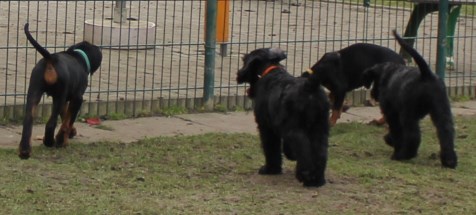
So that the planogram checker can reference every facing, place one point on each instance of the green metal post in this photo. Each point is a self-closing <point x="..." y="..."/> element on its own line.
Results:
<point x="441" y="45"/>
<point x="366" y="3"/>
<point x="210" y="46"/>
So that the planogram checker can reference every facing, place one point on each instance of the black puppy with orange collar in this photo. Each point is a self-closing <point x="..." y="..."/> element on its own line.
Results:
<point x="64" y="77"/>
<point x="291" y="113"/>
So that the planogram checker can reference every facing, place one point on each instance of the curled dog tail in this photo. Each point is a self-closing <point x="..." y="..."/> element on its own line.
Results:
<point x="422" y="65"/>
<point x="313" y="79"/>
<point x="35" y="44"/>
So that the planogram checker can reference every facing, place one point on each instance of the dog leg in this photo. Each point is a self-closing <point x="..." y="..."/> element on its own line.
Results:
<point x="68" y="117"/>
<point x="63" y="133"/>
<point x="334" y="117"/>
<point x="75" y="106"/>
<point x="378" y="122"/>
<point x="311" y="160"/>
<point x="58" y="104"/>
<point x="288" y="149"/>
<point x="33" y="98"/>
<point x="408" y="148"/>
<point x="443" y="120"/>
<point x="271" y="144"/>
<point x="336" y="107"/>
<point x="394" y="135"/>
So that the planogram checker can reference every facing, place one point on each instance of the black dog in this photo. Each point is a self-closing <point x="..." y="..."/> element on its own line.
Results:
<point x="406" y="95"/>
<point x="341" y="71"/>
<point x="291" y="113"/>
<point x="64" y="76"/>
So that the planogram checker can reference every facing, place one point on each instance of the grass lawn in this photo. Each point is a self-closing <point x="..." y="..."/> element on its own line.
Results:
<point x="217" y="174"/>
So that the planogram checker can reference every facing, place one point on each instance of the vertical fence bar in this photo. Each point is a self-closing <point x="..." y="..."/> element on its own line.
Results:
<point x="441" y="45"/>
<point x="210" y="43"/>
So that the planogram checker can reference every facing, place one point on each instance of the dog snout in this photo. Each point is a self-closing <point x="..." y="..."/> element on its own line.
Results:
<point x="240" y="76"/>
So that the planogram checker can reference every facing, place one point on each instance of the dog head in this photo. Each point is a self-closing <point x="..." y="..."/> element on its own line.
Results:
<point x="92" y="52"/>
<point x="330" y="62"/>
<point x="255" y="62"/>
<point x="329" y="65"/>
<point x="378" y="74"/>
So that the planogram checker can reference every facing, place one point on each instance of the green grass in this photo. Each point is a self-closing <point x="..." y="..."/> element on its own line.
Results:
<point x="216" y="174"/>
<point x="173" y="110"/>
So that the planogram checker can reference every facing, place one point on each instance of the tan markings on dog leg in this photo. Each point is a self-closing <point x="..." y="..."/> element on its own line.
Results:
<point x="335" y="115"/>
<point x="72" y="132"/>
<point x="381" y="121"/>
<point x="51" y="76"/>
<point x="66" y="126"/>
<point x="63" y="133"/>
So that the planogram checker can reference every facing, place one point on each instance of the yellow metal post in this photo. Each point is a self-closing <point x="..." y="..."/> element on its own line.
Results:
<point x="223" y="17"/>
<point x="222" y="25"/>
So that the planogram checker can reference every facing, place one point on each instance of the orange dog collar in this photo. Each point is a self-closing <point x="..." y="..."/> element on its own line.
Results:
<point x="268" y="70"/>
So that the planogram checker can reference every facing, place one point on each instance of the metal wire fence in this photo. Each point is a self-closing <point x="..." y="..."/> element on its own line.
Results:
<point x="136" y="78"/>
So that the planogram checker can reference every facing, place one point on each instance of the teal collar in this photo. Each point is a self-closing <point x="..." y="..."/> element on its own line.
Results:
<point x="85" y="56"/>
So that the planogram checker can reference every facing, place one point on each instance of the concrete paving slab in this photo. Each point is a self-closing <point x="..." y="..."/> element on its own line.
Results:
<point x="130" y="130"/>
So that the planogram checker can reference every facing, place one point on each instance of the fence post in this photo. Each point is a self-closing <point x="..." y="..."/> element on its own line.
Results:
<point x="120" y="12"/>
<point x="441" y="44"/>
<point x="210" y="46"/>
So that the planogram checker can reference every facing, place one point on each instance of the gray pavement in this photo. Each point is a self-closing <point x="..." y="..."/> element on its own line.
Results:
<point x="130" y="130"/>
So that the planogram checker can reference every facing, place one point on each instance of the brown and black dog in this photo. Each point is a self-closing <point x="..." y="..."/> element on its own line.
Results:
<point x="341" y="71"/>
<point x="63" y="76"/>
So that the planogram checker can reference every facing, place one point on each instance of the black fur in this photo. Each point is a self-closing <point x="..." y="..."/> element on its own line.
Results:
<point x="291" y="113"/>
<point x="406" y="95"/>
<point x="341" y="71"/>
<point x="63" y="76"/>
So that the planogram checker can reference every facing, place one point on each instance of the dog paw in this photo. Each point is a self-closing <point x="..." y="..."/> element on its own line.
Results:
<point x="48" y="142"/>
<point x="60" y="141"/>
<point x="264" y="170"/>
<point x="377" y="122"/>
<point x="72" y="132"/>
<point x="314" y="183"/>
<point x="345" y="108"/>
<point x="24" y="153"/>
<point x="310" y="180"/>
<point x="403" y="155"/>
<point x="449" y="159"/>
<point x="63" y="135"/>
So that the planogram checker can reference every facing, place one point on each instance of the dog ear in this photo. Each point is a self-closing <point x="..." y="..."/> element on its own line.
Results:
<point x="277" y="55"/>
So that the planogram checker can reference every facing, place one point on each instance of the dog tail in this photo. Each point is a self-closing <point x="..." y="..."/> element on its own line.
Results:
<point x="35" y="44"/>
<point x="422" y="65"/>
<point x="313" y="79"/>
